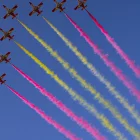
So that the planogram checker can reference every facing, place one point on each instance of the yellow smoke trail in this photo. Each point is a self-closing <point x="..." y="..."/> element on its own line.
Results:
<point x="97" y="95"/>
<point x="134" y="113"/>
<point x="104" y="121"/>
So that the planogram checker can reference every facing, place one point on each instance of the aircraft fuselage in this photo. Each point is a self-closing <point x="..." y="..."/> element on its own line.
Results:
<point x="10" y="11"/>
<point x="36" y="8"/>
<point x="59" y="5"/>
<point x="6" y="34"/>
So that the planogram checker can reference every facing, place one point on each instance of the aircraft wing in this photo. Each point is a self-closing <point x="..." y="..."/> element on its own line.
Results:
<point x="2" y="38"/>
<point x="7" y="54"/>
<point x="2" y="30"/>
<point x="54" y="9"/>
<point x="2" y="76"/>
<point x="63" y="1"/>
<point x="76" y="7"/>
<point x="14" y="8"/>
<point x="7" y="15"/>
<point x="10" y="31"/>
<point x="7" y="60"/>
<point x="31" y="13"/>
<point x="39" y="5"/>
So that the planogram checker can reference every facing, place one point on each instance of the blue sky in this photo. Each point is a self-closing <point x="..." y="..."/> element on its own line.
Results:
<point x="119" y="18"/>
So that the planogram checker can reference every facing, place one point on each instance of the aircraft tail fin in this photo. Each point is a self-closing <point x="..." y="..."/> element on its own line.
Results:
<point x="62" y="9"/>
<point x="39" y="13"/>
<point x="3" y="82"/>
<point x="15" y="16"/>
<point x="8" y="60"/>
<point x="84" y="7"/>
<point x="11" y="37"/>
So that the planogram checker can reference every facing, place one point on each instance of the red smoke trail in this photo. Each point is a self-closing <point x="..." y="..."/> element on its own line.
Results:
<point x="128" y="61"/>
<point x="60" y="128"/>
<point x="83" y="123"/>
<point x="108" y="63"/>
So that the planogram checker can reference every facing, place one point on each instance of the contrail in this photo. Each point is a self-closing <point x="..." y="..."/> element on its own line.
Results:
<point x="108" y="63"/>
<point x="59" y="127"/>
<point x="74" y="73"/>
<point x="134" y="113"/>
<point x="90" y="108"/>
<point x="83" y="123"/>
<point x="123" y="55"/>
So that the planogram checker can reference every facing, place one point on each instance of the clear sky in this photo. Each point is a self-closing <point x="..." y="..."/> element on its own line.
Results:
<point x="120" y="18"/>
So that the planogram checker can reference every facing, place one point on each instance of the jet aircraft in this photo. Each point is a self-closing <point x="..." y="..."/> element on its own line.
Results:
<point x="7" y="34"/>
<point x="35" y="9"/>
<point x="81" y="3"/>
<point x="10" y="12"/>
<point x="59" y="6"/>
<point x="5" y="58"/>
<point x="1" y="79"/>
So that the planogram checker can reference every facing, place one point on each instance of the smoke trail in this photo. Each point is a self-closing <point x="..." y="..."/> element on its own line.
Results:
<point x="134" y="113"/>
<point x="98" y="96"/>
<point x="59" y="127"/>
<point x="123" y="55"/>
<point x="104" y="121"/>
<point x="83" y="123"/>
<point x="108" y="63"/>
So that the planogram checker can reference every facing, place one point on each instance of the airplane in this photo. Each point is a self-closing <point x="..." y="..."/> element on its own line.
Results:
<point x="59" y="6"/>
<point x="35" y="9"/>
<point x="10" y="12"/>
<point x="7" y="34"/>
<point x="1" y="79"/>
<point x="81" y="3"/>
<point x="5" y="58"/>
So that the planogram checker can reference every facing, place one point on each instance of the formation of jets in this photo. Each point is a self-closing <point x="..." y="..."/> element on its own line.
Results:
<point x="35" y="9"/>
<point x="10" y="12"/>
